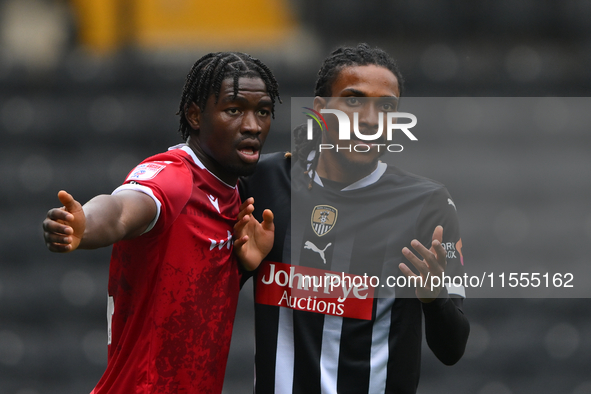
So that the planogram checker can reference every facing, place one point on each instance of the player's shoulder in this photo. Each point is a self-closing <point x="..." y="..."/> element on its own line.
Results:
<point x="270" y="164"/>
<point x="176" y="156"/>
<point x="272" y="173"/>
<point x="160" y="163"/>
<point x="173" y="155"/>
<point x="409" y="179"/>
<point x="272" y="160"/>
<point x="431" y="193"/>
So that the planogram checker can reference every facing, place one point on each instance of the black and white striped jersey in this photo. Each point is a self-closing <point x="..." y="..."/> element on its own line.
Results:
<point x="333" y="314"/>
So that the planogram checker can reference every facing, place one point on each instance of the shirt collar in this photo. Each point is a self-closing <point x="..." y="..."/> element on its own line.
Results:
<point x="189" y="151"/>
<point x="361" y="183"/>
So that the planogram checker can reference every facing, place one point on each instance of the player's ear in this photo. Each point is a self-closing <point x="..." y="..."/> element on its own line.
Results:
<point x="193" y="115"/>
<point x="319" y="103"/>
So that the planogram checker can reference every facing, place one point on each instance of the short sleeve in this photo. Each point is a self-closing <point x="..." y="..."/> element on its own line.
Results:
<point x="167" y="179"/>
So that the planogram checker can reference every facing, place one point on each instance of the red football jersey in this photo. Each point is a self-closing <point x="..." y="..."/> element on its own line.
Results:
<point x="173" y="291"/>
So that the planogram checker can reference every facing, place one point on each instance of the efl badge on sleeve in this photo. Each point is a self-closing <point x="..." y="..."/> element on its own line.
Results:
<point x="324" y="218"/>
<point x="145" y="171"/>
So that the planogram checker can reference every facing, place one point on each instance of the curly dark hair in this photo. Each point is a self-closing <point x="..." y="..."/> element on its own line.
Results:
<point x="206" y="77"/>
<point x="361" y="55"/>
<point x="340" y="58"/>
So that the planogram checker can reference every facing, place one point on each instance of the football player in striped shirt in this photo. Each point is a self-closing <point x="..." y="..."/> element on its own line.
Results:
<point x="320" y="326"/>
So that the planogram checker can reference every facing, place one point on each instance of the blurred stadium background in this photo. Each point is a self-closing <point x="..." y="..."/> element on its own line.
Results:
<point x="88" y="88"/>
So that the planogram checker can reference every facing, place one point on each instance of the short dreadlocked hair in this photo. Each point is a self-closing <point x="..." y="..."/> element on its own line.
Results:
<point x="342" y="57"/>
<point x="208" y="73"/>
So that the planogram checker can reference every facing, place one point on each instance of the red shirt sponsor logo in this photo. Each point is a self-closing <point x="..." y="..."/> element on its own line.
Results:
<point x="314" y="290"/>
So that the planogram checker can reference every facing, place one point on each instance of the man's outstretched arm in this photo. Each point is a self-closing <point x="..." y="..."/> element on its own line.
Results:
<point x="102" y="221"/>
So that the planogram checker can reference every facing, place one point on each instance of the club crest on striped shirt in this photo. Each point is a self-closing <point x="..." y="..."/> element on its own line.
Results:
<point x="324" y="218"/>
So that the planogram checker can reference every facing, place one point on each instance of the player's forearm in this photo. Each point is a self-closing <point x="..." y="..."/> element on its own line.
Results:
<point x="103" y="222"/>
<point x="446" y="329"/>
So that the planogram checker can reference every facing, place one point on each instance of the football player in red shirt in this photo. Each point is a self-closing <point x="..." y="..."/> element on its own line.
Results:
<point x="174" y="277"/>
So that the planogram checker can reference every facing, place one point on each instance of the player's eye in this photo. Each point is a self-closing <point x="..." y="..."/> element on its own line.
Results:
<point x="353" y="101"/>
<point x="264" y="112"/>
<point x="387" y="107"/>
<point x="232" y="111"/>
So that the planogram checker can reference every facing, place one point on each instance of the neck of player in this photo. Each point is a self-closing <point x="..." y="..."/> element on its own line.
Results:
<point x="336" y="168"/>
<point x="213" y="166"/>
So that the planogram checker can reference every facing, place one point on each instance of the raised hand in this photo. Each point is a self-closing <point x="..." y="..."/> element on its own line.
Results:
<point x="432" y="264"/>
<point x="253" y="240"/>
<point x="64" y="227"/>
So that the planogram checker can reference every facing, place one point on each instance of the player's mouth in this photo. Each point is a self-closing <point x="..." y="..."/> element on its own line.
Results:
<point x="355" y="141"/>
<point x="249" y="151"/>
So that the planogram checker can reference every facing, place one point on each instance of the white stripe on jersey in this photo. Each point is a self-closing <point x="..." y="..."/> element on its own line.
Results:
<point x="332" y="329"/>
<point x="284" y="363"/>
<point x="378" y="371"/>
<point x="329" y="357"/>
